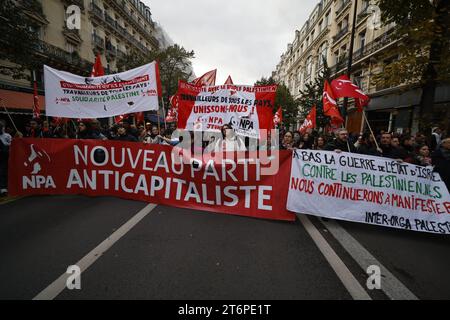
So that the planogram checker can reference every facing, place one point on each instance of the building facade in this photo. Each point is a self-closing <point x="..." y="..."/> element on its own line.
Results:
<point x="326" y="35"/>
<point x="112" y="28"/>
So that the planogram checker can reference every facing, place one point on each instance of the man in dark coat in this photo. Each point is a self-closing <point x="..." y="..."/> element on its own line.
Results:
<point x="441" y="161"/>
<point x="341" y="143"/>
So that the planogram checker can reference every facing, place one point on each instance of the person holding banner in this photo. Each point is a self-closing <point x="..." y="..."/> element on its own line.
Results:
<point x="34" y="129"/>
<point x="288" y="141"/>
<point x="152" y="136"/>
<point x="388" y="150"/>
<point x="422" y="157"/>
<point x="341" y="143"/>
<point x="123" y="135"/>
<point x="229" y="141"/>
<point x="320" y="143"/>
<point x="5" y="143"/>
<point x="441" y="161"/>
<point x="85" y="131"/>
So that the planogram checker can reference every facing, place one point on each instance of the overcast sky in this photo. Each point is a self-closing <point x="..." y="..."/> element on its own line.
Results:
<point x="243" y="38"/>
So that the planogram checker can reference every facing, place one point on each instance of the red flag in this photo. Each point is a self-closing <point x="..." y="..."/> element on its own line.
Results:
<point x="229" y="80"/>
<point x="97" y="68"/>
<point x="310" y="121"/>
<point x="278" y="117"/>
<point x="120" y="118"/>
<point x="343" y="87"/>
<point x="330" y="107"/>
<point x="36" y="108"/>
<point x="172" y="115"/>
<point x="139" y="116"/>
<point x="208" y="79"/>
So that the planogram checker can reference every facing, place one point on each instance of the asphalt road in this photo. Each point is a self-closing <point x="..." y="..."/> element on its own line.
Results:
<point x="184" y="254"/>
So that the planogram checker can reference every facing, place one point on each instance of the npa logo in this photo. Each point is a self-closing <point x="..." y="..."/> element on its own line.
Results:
<point x="64" y="101"/>
<point x="37" y="161"/>
<point x="149" y="93"/>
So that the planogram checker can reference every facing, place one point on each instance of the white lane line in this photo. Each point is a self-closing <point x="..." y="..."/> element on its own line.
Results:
<point x="348" y="280"/>
<point x="54" y="289"/>
<point x="393" y="288"/>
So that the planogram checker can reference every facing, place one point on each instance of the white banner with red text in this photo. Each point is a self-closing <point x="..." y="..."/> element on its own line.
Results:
<point x="247" y="109"/>
<point x="368" y="189"/>
<point x="71" y="96"/>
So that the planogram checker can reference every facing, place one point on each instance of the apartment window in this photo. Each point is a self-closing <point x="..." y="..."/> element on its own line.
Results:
<point x="323" y="51"/>
<point x="326" y="20"/>
<point x="345" y="23"/>
<point x="358" y="79"/>
<point x="364" y="4"/>
<point x="70" y="47"/>
<point x="309" y="65"/>
<point x="362" y="39"/>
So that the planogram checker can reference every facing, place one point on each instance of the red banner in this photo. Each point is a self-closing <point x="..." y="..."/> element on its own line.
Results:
<point x="247" y="186"/>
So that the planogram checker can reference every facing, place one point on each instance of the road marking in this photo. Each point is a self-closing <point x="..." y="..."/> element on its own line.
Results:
<point x="10" y="199"/>
<point x="348" y="280"/>
<point x="54" y="289"/>
<point x="393" y="288"/>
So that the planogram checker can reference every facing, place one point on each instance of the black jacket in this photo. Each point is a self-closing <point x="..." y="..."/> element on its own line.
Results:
<point x="341" y="145"/>
<point x="441" y="166"/>
<point x="127" y="137"/>
<point x="392" y="152"/>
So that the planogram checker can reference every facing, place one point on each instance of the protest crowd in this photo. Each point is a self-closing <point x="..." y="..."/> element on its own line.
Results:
<point x="419" y="149"/>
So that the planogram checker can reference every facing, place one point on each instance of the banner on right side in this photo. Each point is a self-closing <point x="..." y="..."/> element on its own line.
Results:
<point x="368" y="189"/>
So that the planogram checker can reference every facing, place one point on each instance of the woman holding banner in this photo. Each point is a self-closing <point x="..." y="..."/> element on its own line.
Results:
<point x="229" y="141"/>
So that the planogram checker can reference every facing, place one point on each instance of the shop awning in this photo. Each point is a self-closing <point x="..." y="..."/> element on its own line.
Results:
<point x="19" y="100"/>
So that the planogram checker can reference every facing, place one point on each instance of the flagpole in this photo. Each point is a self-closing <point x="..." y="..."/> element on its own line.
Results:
<point x="164" y="112"/>
<point x="350" y="54"/>
<point x="10" y="118"/>
<point x="370" y="128"/>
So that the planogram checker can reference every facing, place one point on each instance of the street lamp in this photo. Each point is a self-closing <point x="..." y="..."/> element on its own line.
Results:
<point x="350" y="55"/>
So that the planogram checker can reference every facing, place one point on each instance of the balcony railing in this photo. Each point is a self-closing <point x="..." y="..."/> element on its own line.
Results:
<point x="362" y="14"/>
<point x="340" y="34"/>
<point x="111" y="23"/>
<point x="111" y="50"/>
<point x="373" y="46"/>
<point x="121" y="54"/>
<point x="98" y="41"/>
<point x="361" y="53"/>
<point x="72" y="34"/>
<point x="343" y="6"/>
<point x="65" y="57"/>
<point x="97" y="11"/>
<point x="134" y="18"/>
<point x="110" y="20"/>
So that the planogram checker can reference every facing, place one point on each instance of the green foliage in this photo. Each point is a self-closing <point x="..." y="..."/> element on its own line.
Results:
<point x="312" y="96"/>
<point x="421" y="53"/>
<point x="18" y="38"/>
<point x="284" y="100"/>
<point x="174" y="64"/>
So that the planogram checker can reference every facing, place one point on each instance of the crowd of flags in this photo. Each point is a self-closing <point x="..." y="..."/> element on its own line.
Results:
<point x="341" y="87"/>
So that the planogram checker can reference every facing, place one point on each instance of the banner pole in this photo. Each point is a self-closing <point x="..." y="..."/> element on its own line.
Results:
<point x="10" y="118"/>
<point x="370" y="128"/>
<point x="164" y="112"/>
<point x="159" y="125"/>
